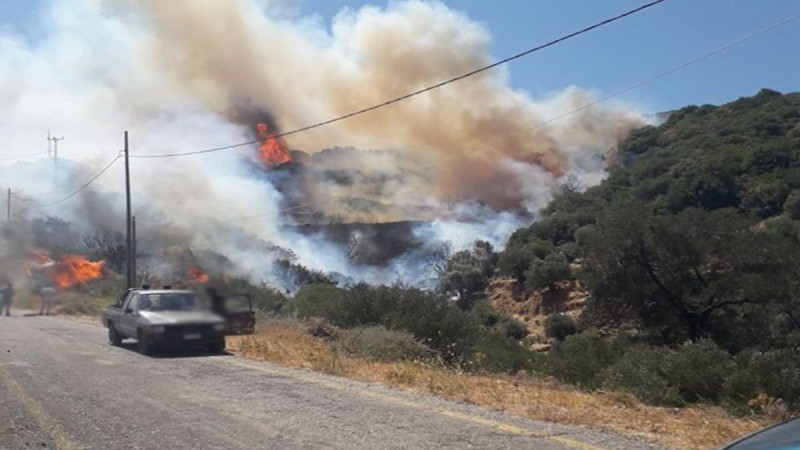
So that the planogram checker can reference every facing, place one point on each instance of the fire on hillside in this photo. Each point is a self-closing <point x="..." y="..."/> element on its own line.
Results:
<point x="69" y="270"/>
<point x="272" y="150"/>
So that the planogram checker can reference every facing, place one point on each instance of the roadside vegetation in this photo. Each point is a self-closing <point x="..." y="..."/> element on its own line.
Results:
<point x="663" y="302"/>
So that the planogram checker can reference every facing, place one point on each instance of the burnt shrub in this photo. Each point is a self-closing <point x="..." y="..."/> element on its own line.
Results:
<point x="559" y="326"/>
<point x="381" y="344"/>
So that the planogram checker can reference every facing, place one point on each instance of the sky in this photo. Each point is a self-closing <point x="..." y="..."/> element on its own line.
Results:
<point x="605" y="60"/>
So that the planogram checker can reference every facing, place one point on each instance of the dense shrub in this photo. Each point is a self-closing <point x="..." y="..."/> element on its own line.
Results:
<point x="792" y="205"/>
<point x="643" y="371"/>
<point x="559" y="326"/>
<point x="698" y="370"/>
<point x="447" y="330"/>
<point x="496" y="352"/>
<point x="775" y="373"/>
<point x="321" y="300"/>
<point x="380" y="344"/>
<point x="580" y="358"/>
<point x="265" y="298"/>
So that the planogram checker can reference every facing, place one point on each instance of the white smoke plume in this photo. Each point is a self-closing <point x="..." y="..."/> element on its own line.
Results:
<point x="470" y="159"/>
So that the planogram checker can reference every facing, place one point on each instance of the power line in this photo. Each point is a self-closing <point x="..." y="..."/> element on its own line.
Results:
<point x="84" y="186"/>
<point x="22" y="156"/>
<point x="633" y="86"/>
<point x="415" y="93"/>
<point x="600" y="100"/>
<point x="581" y="108"/>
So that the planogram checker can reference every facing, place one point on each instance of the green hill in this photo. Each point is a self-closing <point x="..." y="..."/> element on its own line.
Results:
<point x="692" y="240"/>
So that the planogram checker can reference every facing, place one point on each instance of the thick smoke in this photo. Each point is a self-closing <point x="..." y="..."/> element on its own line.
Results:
<point x="471" y="159"/>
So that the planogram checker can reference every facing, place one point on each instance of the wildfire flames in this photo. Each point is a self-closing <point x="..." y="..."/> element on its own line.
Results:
<point x="197" y="274"/>
<point x="272" y="151"/>
<point x="75" y="269"/>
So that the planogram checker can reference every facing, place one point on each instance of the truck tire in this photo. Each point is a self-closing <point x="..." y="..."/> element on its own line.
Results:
<point x="218" y="346"/>
<point x="114" y="338"/>
<point x="142" y="345"/>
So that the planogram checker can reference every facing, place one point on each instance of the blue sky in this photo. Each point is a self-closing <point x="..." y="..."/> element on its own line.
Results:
<point x="610" y="58"/>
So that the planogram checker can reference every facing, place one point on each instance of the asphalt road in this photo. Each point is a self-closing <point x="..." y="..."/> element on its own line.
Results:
<point x="63" y="386"/>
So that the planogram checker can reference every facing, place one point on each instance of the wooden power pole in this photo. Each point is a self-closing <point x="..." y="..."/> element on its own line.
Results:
<point x="128" y="221"/>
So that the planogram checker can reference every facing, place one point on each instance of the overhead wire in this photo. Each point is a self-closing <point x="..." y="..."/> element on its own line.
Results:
<point x="83" y="186"/>
<point x="614" y="94"/>
<point x="417" y="92"/>
<point x="28" y="155"/>
<point x="631" y="87"/>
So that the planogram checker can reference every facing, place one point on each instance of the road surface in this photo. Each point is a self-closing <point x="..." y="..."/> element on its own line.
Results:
<point x="62" y="386"/>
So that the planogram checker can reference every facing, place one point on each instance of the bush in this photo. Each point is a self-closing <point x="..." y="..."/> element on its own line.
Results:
<point x="698" y="370"/>
<point x="580" y="358"/>
<point x="775" y="373"/>
<point x="380" y="344"/>
<point x="496" y="352"/>
<point x="792" y="205"/>
<point x="511" y="328"/>
<point x="264" y="298"/>
<point x="450" y="332"/>
<point x="559" y="326"/>
<point x="547" y="272"/>
<point x="321" y="300"/>
<point x="644" y="372"/>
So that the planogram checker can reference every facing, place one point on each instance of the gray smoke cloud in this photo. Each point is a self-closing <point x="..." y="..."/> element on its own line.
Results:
<point x="469" y="159"/>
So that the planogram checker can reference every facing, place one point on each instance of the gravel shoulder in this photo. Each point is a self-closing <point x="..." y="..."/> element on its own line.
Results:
<point x="63" y="386"/>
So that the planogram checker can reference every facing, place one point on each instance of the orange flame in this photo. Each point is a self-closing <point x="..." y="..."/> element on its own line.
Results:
<point x="272" y="150"/>
<point x="197" y="274"/>
<point x="76" y="269"/>
<point x="39" y="260"/>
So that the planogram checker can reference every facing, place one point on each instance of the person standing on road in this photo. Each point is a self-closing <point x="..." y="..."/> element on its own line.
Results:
<point x="6" y="295"/>
<point x="47" y="294"/>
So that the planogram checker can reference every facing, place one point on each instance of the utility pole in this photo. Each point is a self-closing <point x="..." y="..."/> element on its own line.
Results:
<point x="128" y="220"/>
<point x="133" y="248"/>
<point x="8" y="206"/>
<point x="54" y="140"/>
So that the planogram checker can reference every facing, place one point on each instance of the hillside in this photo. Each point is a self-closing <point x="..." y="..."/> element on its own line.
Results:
<point x="693" y="242"/>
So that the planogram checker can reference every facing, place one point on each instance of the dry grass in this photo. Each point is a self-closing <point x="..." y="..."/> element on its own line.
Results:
<point x="287" y="342"/>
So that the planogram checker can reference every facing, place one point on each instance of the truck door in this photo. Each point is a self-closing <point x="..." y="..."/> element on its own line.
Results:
<point x="240" y="319"/>
<point x="129" y="315"/>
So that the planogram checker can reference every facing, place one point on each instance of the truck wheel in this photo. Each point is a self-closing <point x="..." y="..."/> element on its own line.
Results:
<point x="114" y="338"/>
<point x="142" y="345"/>
<point x="218" y="346"/>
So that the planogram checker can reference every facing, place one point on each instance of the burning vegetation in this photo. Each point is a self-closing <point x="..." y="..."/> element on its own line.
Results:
<point x="76" y="269"/>
<point x="197" y="274"/>
<point x="272" y="150"/>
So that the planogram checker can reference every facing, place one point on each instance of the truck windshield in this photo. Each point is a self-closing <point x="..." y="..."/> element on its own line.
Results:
<point x="169" y="302"/>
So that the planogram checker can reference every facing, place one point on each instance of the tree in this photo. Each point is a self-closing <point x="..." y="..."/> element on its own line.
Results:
<point x="548" y="271"/>
<point x="108" y="246"/>
<point x="517" y="258"/>
<point x="683" y="276"/>
<point x="467" y="273"/>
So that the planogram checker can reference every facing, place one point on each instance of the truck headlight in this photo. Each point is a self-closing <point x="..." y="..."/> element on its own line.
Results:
<point x="219" y="327"/>
<point x="157" y="329"/>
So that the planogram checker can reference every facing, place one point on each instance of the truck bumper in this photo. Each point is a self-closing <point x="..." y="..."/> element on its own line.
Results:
<point x="182" y="337"/>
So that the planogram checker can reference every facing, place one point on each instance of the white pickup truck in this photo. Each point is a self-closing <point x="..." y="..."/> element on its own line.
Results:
<point x="167" y="318"/>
